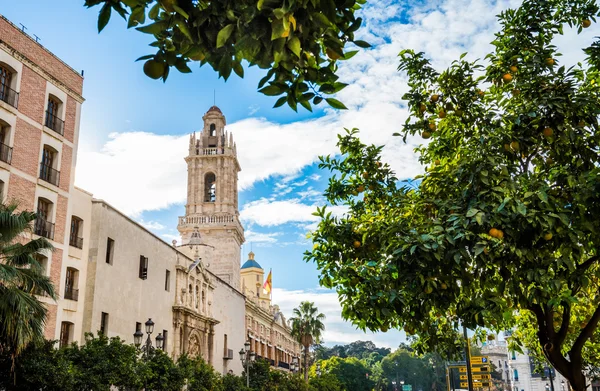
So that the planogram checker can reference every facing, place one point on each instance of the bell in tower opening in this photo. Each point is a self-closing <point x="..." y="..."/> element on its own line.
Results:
<point x="212" y="197"/>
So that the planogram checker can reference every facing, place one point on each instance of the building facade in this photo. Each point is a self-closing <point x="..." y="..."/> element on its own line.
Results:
<point x="40" y="106"/>
<point x="266" y="327"/>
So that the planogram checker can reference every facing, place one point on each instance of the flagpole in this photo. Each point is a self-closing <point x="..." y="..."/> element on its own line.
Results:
<point x="271" y="274"/>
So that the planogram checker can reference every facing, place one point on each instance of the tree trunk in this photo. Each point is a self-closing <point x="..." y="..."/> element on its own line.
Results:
<point x="306" y="364"/>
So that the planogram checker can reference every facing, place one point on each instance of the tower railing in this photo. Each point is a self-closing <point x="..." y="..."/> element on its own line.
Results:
<point x="215" y="219"/>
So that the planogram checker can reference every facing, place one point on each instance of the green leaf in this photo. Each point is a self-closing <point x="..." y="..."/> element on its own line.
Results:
<point x="104" y="16"/>
<point x="224" y="35"/>
<point x="154" y="28"/>
<point x="271" y="90"/>
<point x="350" y="54"/>
<point x="184" y="29"/>
<point x="153" y="14"/>
<point x="238" y="69"/>
<point x="472" y="212"/>
<point x="336" y="104"/>
<point x="294" y="45"/>
<point x="182" y="67"/>
<point x="521" y="208"/>
<point x="180" y="11"/>
<point x="362" y="44"/>
<point x="280" y="102"/>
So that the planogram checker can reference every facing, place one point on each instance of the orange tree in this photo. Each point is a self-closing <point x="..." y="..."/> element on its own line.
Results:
<point x="504" y="219"/>
<point x="298" y="41"/>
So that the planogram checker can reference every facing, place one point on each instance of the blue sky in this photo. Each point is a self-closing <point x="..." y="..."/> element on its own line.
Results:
<point x="134" y="130"/>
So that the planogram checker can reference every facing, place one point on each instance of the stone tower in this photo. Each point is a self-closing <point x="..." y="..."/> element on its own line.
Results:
<point x="212" y="198"/>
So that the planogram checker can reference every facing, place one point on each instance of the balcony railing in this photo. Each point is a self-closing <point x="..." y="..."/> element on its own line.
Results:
<point x="71" y="293"/>
<point x="44" y="228"/>
<point x="284" y="365"/>
<point x="9" y="96"/>
<point x="49" y="174"/>
<point x="54" y="123"/>
<point x="75" y="241"/>
<point x="5" y="153"/>
<point x="216" y="220"/>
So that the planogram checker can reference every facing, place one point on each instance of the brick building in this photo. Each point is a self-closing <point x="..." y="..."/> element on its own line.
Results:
<point x="40" y="105"/>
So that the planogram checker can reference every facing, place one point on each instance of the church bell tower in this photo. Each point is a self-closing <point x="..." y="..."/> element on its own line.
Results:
<point x="212" y="198"/>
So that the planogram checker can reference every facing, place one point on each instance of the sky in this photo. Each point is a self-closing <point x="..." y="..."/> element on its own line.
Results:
<point x="134" y="130"/>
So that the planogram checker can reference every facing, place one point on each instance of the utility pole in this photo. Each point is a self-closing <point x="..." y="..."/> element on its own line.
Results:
<point x="468" y="358"/>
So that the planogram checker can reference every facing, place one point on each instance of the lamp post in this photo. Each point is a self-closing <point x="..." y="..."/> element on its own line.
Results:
<point x="147" y="348"/>
<point x="247" y="356"/>
<point x="394" y="384"/>
<point x="294" y="366"/>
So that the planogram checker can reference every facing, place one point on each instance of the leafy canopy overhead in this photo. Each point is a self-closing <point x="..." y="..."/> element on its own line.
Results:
<point x="504" y="218"/>
<point x="298" y="41"/>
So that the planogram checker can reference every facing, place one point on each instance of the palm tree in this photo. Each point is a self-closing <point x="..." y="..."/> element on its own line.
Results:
<point x="22" y="315"/>
<point x="307" y="327"/>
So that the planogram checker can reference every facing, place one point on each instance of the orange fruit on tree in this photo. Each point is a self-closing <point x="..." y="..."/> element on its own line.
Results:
<point x="428" y="289"/>
<point x="513" y="69"/>
<point x="435" y="97"/>
<point x="361" y="188"/>
<point x="493" y="232"/>
<point x="480" y="92"/>
<point x="507" y="77"/>
<point x="585" y="23"/>
<point x="442" y="114"/>
<point x="443" y="285"/>
<point x="365" y="175"/>
<point x="437" y="162"/>
<point x="426" y="135"/>
<point x="507" y="147"/>
<point x="548" y="236"/>
<point x="550" y="61"/>
<point x="154" y="69"/>
<point x="378" y="164"/>
<point x="500" y="234"/>
<point x="515" y="145"/>
<point x="422" y="108"/>
<point x="548" y="132"/>
<point x="432" y="126"/>
<point x="356" y="244"/>
<point x="516" y="92"/>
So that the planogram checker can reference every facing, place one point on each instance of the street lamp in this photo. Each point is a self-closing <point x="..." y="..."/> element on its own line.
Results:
<point x="147" y="348"/>
<point x="294" y="366"/>
<point x="247" y="356"/>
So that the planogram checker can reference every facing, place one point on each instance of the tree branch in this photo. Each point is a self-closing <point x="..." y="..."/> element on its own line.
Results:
<point x="564" y="327"/>
<point x="586" y="265"/>
<point x="586" y="333"/>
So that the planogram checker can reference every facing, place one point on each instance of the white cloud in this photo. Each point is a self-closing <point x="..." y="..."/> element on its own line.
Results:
<point x="258" y="237"/>
<point x="171" y="237"/>
<point x="268" y="213"/>
<point x="138" y="171"/>
<point x="337" y="330"/>
<point x="152" y="225"/>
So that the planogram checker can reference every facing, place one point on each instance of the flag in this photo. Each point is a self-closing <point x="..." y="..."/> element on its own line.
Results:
<point x="193" y="265"/>
<point x="268" y="285"/>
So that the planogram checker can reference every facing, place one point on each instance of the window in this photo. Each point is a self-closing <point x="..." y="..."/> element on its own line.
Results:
<point x="138" y="326"/>
<point x="71" y="291"/>
<point x="165" y="338"/>
<point x="75" y="238"/>
<point x="197" y="297"/>
<point x="210" y="187"/>
<point x="53" y="120"/>
<point x="1" y="191"/>
<point x="257" y="278"/>
<point x="110" y="248"/>
<point x="516" y="375"/>
<point x="7" y="93"/>
<point x="66" y="333"/>
<point x="167" y="280"/>
<point x="5" y="150"/>
<point x="213" y="130"/>
<point x="143" y="272"/>
<point x="104" y="323"/>
<point x="257" y="292"/>
<point x="43" y="226"/>
<point x="48" y="171"/>
<point x="225" y="345"/>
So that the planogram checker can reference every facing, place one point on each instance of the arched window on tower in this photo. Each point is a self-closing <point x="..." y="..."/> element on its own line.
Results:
<point x="210" y="187"/>
<point x="213" y="130"/>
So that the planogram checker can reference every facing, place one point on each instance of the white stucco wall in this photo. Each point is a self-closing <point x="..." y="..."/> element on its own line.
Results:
<point x="230" y="310"/>
<point x="116" y="288"/>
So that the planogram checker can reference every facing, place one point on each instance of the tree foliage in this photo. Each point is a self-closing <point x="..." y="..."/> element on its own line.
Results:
<point x="22" y="315"/>
<point x="307" y="328"/>
<point x="350" y="372"/>
<point x="298" y="41"/>
<point x="503" y="219"/>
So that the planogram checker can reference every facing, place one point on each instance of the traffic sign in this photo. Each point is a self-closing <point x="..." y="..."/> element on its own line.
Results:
<point x="477" y="377"/>
<point x="475" y="385"/>
<point x="479" y="360"/>
<point x="474" y="369"/>
<point x="407" y="387"/>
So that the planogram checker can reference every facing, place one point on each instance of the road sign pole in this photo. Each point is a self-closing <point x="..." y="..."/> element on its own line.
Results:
<point x="452" y="380"/>
<point x="468" y="358"/>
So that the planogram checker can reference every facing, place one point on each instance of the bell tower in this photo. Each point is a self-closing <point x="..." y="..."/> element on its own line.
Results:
<point x="212" y="198"/>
